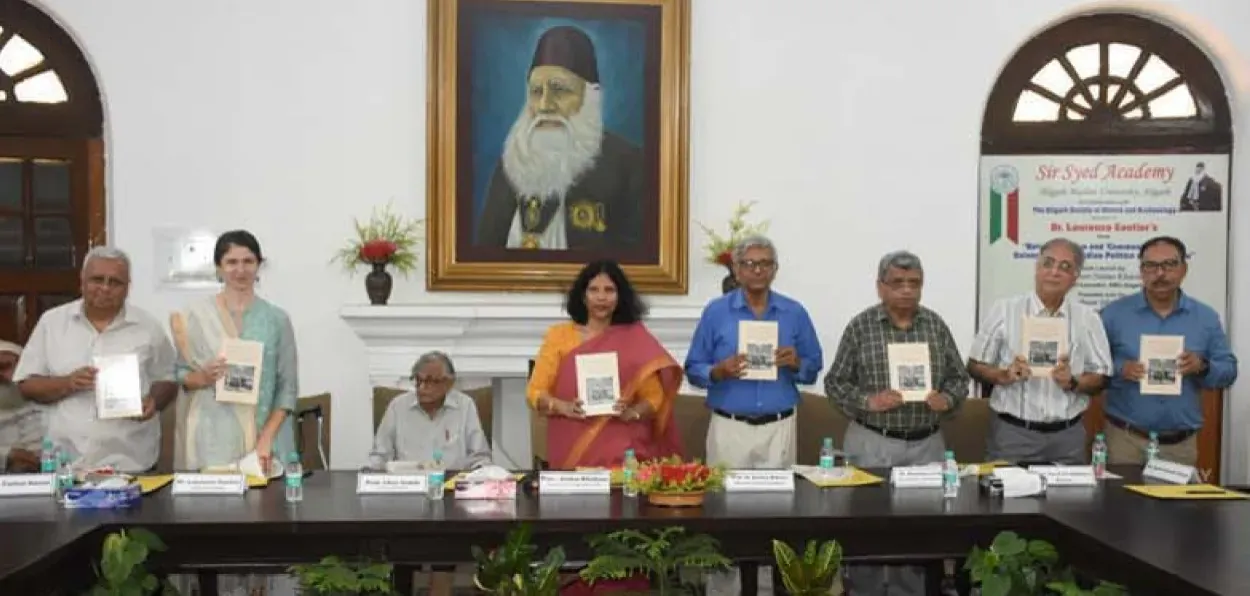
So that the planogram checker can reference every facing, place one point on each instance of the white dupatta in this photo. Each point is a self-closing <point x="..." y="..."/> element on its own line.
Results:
<point x="209" y="433"/>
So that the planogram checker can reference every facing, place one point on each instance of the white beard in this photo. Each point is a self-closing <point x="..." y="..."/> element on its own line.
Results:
<point x="545" y="162"/>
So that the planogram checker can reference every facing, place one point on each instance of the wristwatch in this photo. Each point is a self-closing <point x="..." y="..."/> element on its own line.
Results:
<point x="1073" y="384"/>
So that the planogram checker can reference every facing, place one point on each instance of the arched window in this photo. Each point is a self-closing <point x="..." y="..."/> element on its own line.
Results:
<point x="1108" y="84"/>
<point x="51" y="166"/>
<point x="1097" y="129"/>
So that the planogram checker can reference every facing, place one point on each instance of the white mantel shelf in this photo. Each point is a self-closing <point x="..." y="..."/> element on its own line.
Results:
<point x="484" y="340"/>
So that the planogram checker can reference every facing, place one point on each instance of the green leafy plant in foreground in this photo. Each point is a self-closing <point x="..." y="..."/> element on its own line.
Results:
<point x="817" y="572"/>
<point x="1014" y="566"/>
<point x="661" y="556"/>
<point x="120" y="571"/>
<point x="333" y="576"/>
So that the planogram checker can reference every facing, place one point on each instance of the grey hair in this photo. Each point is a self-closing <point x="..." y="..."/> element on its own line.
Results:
<point x="1078" y="253"/>
<point x="753" y="241"/>
<point x="106" y="252"/>
<point x="899" y="259"/>
<point x="435" y="356"/>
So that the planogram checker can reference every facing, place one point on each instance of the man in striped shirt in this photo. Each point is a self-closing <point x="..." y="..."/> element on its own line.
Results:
<point x="1038" y="417"/>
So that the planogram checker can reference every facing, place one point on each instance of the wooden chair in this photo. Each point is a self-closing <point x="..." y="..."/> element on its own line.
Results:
<point x="312" y="427"/>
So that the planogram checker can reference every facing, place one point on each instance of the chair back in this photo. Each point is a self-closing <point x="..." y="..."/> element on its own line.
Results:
<point x="312" y="431"/>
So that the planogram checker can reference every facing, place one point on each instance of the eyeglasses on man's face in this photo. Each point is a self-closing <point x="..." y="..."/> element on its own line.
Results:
<point x="1157" y="266"/>
<point x="758" y="264"/>
<point x="431" y="381"/>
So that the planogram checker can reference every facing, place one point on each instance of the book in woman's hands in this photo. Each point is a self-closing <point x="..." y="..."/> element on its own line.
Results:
<point x="118" y="386"/>
<point x="598" y="383"/>
<point x="241" y="382"/>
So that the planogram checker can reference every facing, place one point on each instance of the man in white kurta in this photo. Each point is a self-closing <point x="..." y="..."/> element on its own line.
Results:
<point x="57" y="369"/>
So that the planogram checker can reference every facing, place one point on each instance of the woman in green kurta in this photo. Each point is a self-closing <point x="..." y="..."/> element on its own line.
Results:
<point x="212" y="432"/>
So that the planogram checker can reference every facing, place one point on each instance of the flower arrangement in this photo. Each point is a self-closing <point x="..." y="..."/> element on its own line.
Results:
<point x="387" y="239"/>
<point x="719" y="250"/>
<point x="672" y="475"/>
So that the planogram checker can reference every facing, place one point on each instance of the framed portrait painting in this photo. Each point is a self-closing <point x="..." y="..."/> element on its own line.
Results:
<point x="557" y="135"/>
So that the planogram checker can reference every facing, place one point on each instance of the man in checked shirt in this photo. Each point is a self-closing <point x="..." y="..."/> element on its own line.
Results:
<point x="884" y="431"/>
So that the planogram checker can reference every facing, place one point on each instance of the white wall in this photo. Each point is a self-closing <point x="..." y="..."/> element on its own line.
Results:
<point x="291" y="117"/>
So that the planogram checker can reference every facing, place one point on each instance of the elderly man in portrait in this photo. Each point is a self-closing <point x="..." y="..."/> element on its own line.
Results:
<point x="1202" y="192"/>
<point x="563" y="182"/>
<point x="22" y="423"/>
<point x="1038" y="417"/>
<point x="884" y="430"/>
<point x="753" y="423"/>
<point x="57" y="368"/>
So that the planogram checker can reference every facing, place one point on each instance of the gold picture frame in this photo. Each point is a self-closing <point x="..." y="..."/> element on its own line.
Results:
<point x="641" y="46"/>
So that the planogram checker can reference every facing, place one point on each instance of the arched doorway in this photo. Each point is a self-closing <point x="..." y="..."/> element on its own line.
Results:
<point x="1106" y="97"/>
<point x="51" y="166"/>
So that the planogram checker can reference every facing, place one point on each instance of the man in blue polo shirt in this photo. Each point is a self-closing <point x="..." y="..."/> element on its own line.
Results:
<point x="753" y="421"/>
<point x="1206" y="362"/>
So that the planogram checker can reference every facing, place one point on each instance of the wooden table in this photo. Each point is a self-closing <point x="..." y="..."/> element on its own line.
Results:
<point x="1188" y="547"/>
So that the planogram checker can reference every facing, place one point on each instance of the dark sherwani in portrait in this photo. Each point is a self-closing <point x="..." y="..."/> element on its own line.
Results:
<point x="563" y="182"/>
<point x="1202" y="193"/>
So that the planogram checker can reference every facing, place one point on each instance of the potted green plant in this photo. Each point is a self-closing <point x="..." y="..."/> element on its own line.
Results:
<point x="387" y="239"/>
<point x="511" y="570"/>
<point x="1014" y="566"/>
<point x="120" y="571"/>
<point x="817" y="572"/>
<point x="332" y="576"/>
<point x="662" y="557"/>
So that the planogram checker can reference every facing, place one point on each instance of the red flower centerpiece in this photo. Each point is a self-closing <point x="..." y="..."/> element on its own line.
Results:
<point x="388" y="239"/>
<point x="670" y="482"/>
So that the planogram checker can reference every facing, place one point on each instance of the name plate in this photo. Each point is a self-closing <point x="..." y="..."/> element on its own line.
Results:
<point x="1066" y="475"/>
<point x="759" y="481"/>
<point x="209" y="484"/>
<point x="591" y="482"/>
<point x="26" y="485"/>
<point x="1168" y="471"/>
<point x="927" y="476"/>
<point x="391" y="484"/>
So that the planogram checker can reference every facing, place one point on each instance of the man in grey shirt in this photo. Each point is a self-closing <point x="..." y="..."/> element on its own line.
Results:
<point x="435" y="417"/>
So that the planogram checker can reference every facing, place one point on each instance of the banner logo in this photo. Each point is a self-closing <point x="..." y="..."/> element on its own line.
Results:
<point x="1004" y="204"/>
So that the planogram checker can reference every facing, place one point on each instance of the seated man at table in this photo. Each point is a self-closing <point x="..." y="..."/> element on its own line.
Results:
<point x="435" y="417"/>
<point x="22" y="422"/>
<point x="58" y="368"/>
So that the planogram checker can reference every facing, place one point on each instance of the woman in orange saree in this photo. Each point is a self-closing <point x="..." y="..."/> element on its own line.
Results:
<point x="606" y="316"/>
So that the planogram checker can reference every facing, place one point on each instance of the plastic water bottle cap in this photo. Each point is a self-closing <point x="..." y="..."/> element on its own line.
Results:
<point x="950" y="453"/>
<point x="629" y="453"/>
<point x="292" y="457"/>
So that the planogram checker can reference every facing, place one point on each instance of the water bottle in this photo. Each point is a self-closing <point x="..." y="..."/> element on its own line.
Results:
<point x="826" y="458"/>
<point x="437" y="477"/>
<point x="48" y="458"/>
<point x="294" y="477"/>
<point x="1152" y="448"/>
<point x="1098" y="458"/>
<point x="628" y="469"/>
<point x="950" y="476"/>
<point x="64" y="479"/>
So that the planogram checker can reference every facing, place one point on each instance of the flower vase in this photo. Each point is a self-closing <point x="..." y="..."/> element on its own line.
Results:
<point x="676" y="499"/>
<point x="730" y="283"/>
<point x="378" y="285"/>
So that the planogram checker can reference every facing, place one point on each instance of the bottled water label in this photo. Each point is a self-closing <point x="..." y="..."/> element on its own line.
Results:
<point x="294" y="480"/>
<point x="826" y="461"/>
<point x="436" y="480"/>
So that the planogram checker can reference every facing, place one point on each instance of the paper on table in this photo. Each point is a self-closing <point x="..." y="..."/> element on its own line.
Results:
<point x="1045" y="339"/>
<point x="598" y="383"/>
<point x="909" y="370"/>
<point x="118" y="386"/>
<point x="857" y="477"/>
<point x="1159" y="354"/>
<point x="1185" y="491"/>
<point x="150" y="484"/>
<point x="241" y="383"/>
<point x="757" y="340"/>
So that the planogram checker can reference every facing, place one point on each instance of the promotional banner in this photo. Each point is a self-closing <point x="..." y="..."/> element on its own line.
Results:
<point x="1109" y="204"/>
